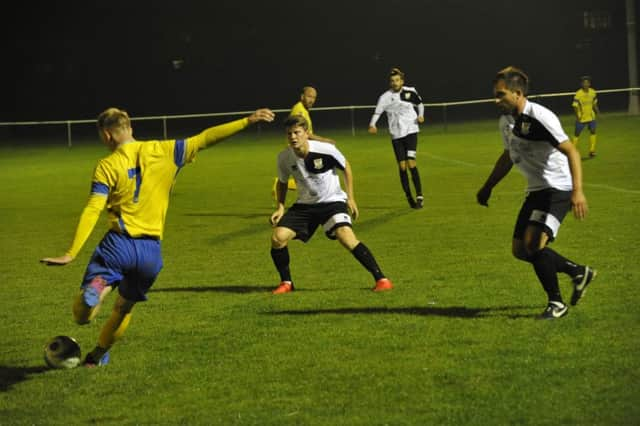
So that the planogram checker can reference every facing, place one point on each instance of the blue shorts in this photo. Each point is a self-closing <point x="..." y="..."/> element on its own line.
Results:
<point x="131" y="264"/>
<point x="580" y="126"/>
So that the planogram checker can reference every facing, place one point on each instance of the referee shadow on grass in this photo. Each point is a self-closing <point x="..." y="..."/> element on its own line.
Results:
<point x="238" y="289"/>
<point x="445" y="311"/>
<point x="10" y="376"/>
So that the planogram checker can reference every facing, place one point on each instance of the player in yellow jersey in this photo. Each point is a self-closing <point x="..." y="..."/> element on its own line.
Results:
<point x="585" y="106"/>
<point x="134" y="183"/>
<point x="308" y="98"/>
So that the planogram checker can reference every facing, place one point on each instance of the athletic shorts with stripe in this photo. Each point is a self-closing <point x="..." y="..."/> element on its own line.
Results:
<point x="545" y="208"/>
<point x="304" y="219"/>
<point x="406" y="147"/>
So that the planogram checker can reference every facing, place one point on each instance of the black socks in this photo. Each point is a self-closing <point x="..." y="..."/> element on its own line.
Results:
<point x="281" y="260"/>
<point x="364" y="256"/>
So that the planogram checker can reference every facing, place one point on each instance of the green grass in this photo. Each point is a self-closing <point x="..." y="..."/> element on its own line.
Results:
<point x="456" y="343"/>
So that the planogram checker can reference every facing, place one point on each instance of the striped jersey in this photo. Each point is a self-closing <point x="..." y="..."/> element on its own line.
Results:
<point x="315" y="175"/>
<point x="531" y="139"/>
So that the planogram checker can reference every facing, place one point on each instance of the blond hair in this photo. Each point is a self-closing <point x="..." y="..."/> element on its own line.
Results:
<point x="113" y="118"/>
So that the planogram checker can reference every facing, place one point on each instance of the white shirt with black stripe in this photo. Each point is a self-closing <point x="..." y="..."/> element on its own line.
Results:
<point x="401" y="111"/>
<point x="532" y="139"/>
<point x="316" y="176"/>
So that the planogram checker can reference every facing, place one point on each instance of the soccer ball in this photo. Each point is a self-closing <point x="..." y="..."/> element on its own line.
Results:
<point x="62" y="352"/>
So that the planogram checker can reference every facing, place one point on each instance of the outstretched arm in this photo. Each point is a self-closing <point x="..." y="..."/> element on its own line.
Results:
<point x="215" y="134"/>
<point x="500" y="170"/>
<point x="87" y="222"/>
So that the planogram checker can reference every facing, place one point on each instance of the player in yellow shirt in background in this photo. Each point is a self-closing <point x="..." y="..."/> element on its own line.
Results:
<point x="134" y="182"/>
<point x="308" y="98"/>
<point x="585" y="106"/>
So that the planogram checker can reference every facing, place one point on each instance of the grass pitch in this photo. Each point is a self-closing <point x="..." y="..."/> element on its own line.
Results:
<point x="456" y="342"/>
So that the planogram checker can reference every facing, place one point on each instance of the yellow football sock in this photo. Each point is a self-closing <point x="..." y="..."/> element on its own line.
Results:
<point x="574" y="141"/>
<point x="114" y="328"/>
<point x="592" y="143"/>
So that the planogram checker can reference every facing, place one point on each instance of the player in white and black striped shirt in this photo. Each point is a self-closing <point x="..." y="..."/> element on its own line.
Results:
<point x="400" y="103"/>
<point x="536" y="143"/>
<point x="321" y="201"/>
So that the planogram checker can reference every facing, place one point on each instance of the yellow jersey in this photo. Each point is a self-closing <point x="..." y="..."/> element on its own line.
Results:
<point x="299" y="109"/>
<point x="584" y="103"/>
<point x="135" y="182"/>
<point x="137" y="179"/>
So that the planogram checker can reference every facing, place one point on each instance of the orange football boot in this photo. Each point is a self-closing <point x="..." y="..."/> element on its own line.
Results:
<point x="284" y="287"/>
<point x="383" y="284"/>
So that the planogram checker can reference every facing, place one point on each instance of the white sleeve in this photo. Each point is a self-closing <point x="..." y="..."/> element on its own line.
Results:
<point x="340" y="158"/>
<point x="551" y="122"/>
<point x="380" y="106"/>
<point x="420" y="109"/>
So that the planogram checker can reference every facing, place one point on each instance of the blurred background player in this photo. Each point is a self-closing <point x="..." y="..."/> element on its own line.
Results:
<point x="321" y="201"/>
<point x="134" y="182"/>
<point x="585" y="106"/>
<point x="400" y="103"/>
<point x="534" y="141"/>
<point x="308" y="98"/>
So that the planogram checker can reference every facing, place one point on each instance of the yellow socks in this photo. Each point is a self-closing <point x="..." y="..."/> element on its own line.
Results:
<point x="114" y="328"/>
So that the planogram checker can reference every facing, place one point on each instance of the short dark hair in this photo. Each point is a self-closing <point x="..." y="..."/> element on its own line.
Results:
<point x="585" y="77"/>
<point x="396" y="71"/>
<point x="514" y="78"/>
<point x="296" y="120"/>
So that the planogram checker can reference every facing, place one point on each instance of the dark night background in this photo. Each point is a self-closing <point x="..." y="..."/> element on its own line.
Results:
<point x="70" y="60"/>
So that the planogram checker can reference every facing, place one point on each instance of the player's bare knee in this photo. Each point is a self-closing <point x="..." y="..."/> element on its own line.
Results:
<point x="402" y="165"/>
<point x="276" y="242"/>
<point x="347" y="237"/>
<point x="279" y="238"/>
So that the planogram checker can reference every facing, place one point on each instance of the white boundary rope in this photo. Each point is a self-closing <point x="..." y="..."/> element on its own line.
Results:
<point x="352" y="108"/>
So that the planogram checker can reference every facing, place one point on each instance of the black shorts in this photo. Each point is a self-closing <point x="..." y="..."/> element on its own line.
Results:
<point x="304" y="219"/>
<point x="406" y="147"/>
<point x="546" y="208"/>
